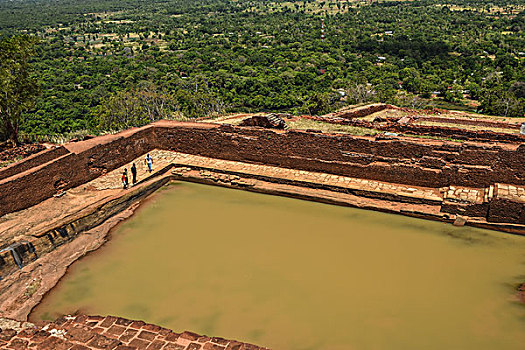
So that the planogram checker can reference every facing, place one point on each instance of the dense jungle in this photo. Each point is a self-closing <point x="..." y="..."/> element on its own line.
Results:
<point x="110" y="64"/>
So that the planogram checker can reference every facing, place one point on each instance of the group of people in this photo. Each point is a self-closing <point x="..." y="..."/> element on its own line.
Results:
<point x="125" y="182"/>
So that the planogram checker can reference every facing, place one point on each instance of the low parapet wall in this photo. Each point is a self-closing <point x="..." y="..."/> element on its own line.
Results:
<point x="454" y="133"/>
<point x="474" y="122"/>
<point x="362" y="111"/>
<point x="418" y="163"/>
<point x="32" y="161"/>
<point x="72" y="169"/>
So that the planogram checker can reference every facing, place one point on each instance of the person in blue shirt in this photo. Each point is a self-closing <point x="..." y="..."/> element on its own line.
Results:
<point x="149" y="161"/>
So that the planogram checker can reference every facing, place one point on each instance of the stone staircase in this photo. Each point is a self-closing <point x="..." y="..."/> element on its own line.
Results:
<point x="277" y="121"/>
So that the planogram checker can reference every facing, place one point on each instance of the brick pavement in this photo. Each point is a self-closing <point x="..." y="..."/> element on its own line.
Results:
<point x="99" y="332"/>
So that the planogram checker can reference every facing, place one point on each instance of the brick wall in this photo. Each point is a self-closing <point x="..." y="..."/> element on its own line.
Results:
<point x="72" y="169"/>
<point x="417" y="163"/>
<point x="32" y="161"/>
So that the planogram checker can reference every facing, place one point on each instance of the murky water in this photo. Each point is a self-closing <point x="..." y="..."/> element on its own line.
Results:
<point x="292" y="274"/>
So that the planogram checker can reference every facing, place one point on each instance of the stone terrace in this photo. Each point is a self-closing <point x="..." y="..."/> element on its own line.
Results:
<point x="365" y="187"/>
<point x="98" y="332"/>
<point x="457" y="193"/>
<point x="164" y="158"/>
<point x="365" y="193"/>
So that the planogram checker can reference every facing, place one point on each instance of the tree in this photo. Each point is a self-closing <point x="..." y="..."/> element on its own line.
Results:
<point x="17" y="87"/>
<point x="360" y="93"/>
<point x="518" y="89"/>
<point x="127" y="109"/>
<point x="318" y="103"/>
<point x="411" y="80"/>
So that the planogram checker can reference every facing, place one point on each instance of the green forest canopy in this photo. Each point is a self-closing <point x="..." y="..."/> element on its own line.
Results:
<point x="214" y="56"/>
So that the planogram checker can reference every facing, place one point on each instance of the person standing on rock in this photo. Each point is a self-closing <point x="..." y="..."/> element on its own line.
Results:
<point x="134" y="173"/>
<point x="149" y="161"/>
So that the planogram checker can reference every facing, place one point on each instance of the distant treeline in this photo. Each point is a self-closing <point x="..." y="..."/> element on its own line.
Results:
<point x="190" y="58"/>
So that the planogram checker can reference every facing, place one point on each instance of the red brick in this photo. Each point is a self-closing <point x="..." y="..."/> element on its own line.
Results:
<point x="137" y="324"/>
<point x="203" y="339"/>
<point x="39" y="336"/>
<point x="94" y="318"/>
<point x="123" y="322"/>
<point x="173" y="347"/>
<point x="101" y="342"/>
<point x="18" y="344"/>
<point x="108" y="321"/>
<point x="80" y="335"/>
<point x="172" y="337"/>
<point x="84" y="318"/>
<point x="234" y="345"/>
<point x="250" y="347"/>
<point x="152" y="327"/>
<point x="27" y="333"/>
<point x="7" y="334"/>
<point x="99" y="330"/>
<point x="220" y="341"/>
<point x="125" y="347"/>
<point x="60" y="321"/>
<point x="146" y="335"/>
<point x="115" y="331"/>
<point x="210" y="346"/>
<point x="127" y="335"/>
<point x="194" y="346"/>
<point x="139" y="343"/>
<point x="156" y="345"/>
<point x="190" y="336"/>
<point x="164" y="332"/>
<point x="54" y="343"/>
<point x="79" y="347"/>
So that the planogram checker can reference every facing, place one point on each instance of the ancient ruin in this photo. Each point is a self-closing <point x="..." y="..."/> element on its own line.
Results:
<point x="59" y="204"/>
